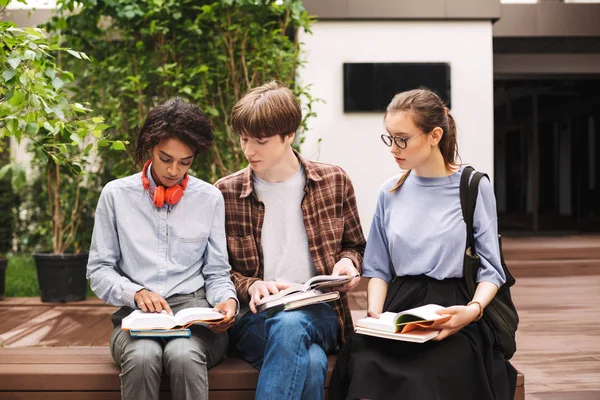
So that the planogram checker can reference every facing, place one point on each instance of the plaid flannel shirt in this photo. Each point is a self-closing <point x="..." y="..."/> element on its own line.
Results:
<point x="330" y="217"/>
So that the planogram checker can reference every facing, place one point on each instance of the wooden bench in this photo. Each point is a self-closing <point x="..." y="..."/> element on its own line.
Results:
<point x="89" y="373"/>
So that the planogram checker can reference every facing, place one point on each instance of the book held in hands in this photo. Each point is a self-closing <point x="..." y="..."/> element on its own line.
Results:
<point x="415" y="325"/>
<point x="304" y="294"/>
<point x="139" y="320"/>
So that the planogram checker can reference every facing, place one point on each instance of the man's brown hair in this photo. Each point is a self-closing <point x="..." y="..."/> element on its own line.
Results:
<point x="265" y="111"/>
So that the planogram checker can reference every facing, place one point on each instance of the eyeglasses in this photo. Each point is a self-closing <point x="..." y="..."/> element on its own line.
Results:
<point x="400" y="141"/>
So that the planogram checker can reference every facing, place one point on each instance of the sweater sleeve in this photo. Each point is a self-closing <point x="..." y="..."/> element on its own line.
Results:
<point x="377" y="262"/>
<point x="485" y="229"/>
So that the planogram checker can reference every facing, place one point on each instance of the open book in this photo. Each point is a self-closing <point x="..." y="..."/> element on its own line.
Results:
<point x="303" y="294"/>
<point x="415" y="325"/>
<point x="140" y="320"/>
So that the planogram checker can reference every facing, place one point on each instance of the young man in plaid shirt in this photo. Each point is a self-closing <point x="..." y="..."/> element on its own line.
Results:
<point x="287" y="220"/>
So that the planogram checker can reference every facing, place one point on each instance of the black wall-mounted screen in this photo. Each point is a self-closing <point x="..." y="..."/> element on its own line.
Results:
<point x="371" y="86"/>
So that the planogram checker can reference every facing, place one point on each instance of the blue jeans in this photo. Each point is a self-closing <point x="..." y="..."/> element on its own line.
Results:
<point x="289" y="348"/>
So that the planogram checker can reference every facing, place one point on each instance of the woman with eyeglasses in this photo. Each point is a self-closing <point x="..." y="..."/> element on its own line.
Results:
<point x="414" y="256"/>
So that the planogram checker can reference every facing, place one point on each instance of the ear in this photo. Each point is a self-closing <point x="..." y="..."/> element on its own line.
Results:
<point x="290" y="138"/>
<point x="436" y="135"/>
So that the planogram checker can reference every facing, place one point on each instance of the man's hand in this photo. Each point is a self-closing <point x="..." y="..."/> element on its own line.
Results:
<point x="260" y="289"/>
<point x="227" y="308"/>
<point x="461" y="316"/>
<point x="151" y="302"/>
<point x="346" y="267"/>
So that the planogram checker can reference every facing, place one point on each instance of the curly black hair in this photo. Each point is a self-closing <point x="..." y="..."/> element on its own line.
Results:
<point x="175" y="119"/>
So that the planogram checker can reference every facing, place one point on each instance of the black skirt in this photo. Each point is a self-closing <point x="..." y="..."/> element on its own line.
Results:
<point x="462" y="366"/>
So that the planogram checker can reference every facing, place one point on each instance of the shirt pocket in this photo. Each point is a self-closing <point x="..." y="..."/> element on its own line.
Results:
<point x="243" y="254"/>
<point x="331" y="233"/>
<point x="190" y="250"/>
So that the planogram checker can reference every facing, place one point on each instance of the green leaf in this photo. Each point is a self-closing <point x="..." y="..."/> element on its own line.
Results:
<point x="57" y="111"/>
<point x="103" y="143"/>
<point x="118" y="145"/>
<point x="88" y="148"/>
<point x="4" y="3"/>
<point x="50" y="128"/>
<point x="57" y="83"/>
<point x="16" y="98"/>
<point x="18" y="177"/>
<point x="4" y="170"/>
<point x="9" y="74"/>
<point x="13" y="129"/>
<point x="50" y="73"/>
<point x="97" y="131"/>
<point x="14" y="62"/>
<point x="29" y="55"/>
<point x="74" y="53"/>
<point x="37" y="32"/>
<point x="80" y="108"/>
<point x="55" y="159"/>
<point x="75" y="138"/>
<point x="31" y="128"/>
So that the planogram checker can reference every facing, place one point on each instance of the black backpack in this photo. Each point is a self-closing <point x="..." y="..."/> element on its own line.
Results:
<point x="501" y="314"/>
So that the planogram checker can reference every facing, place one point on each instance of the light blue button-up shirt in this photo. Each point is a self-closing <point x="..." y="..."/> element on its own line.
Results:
<point x="172" y="250"/>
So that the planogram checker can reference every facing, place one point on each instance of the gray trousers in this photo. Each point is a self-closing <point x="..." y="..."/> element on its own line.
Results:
<point x="185" y="360"/>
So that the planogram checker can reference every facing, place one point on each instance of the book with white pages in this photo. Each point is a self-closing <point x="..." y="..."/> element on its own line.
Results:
<point x="140" y="320"/>
<point x="303" y="294"/>
<point x="424" y="317"/>
<point x="415" y="335"/>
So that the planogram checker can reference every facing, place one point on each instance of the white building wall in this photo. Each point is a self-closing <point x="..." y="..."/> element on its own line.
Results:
<point x="351" y="140"/>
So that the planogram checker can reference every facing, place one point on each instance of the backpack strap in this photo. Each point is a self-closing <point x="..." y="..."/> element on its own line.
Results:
<point x="469" y="190"/>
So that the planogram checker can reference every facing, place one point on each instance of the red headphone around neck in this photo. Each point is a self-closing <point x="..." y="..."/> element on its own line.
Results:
<point x="170" y="195"/>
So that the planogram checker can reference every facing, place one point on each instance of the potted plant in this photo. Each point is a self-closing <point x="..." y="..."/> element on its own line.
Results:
<point x="6" y="217"/>
<point x="63" y="139"/>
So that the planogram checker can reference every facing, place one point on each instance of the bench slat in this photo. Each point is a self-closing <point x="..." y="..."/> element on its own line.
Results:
<point x="214" y="395"/>
<point x="231" y="373"/>
<point x="92" y="370"/>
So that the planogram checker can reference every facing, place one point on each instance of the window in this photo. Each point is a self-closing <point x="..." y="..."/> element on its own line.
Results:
<point x="371" y="86"/>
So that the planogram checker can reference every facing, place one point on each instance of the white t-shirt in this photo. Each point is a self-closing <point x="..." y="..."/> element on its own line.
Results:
<point x="286" y="256"/>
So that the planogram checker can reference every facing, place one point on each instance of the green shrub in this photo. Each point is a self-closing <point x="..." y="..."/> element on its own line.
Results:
<point x="208" y="52"/>
<point x="7" y="202"/>
<point x="60" y="135"/>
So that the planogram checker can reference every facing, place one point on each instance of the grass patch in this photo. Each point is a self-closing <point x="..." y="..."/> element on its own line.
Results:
<point x="21" y="278"/>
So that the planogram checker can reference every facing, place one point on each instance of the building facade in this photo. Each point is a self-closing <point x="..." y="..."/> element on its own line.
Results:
<point x="523" y="88"/>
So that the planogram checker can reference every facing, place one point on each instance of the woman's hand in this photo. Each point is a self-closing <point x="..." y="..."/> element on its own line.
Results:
<point x="227" y="308"/>
<point x="376" y="293"/>
<point x="149" y="301"/>
<point x="460" y="316"/>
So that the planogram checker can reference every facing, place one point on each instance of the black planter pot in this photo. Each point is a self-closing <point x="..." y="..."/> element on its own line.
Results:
<point x="61" y="276"/>
<point x="3" y="264"/>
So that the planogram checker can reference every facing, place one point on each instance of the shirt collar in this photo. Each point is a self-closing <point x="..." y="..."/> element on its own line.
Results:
<point x="309" y="170"/>
<point x="150" y="178"/>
